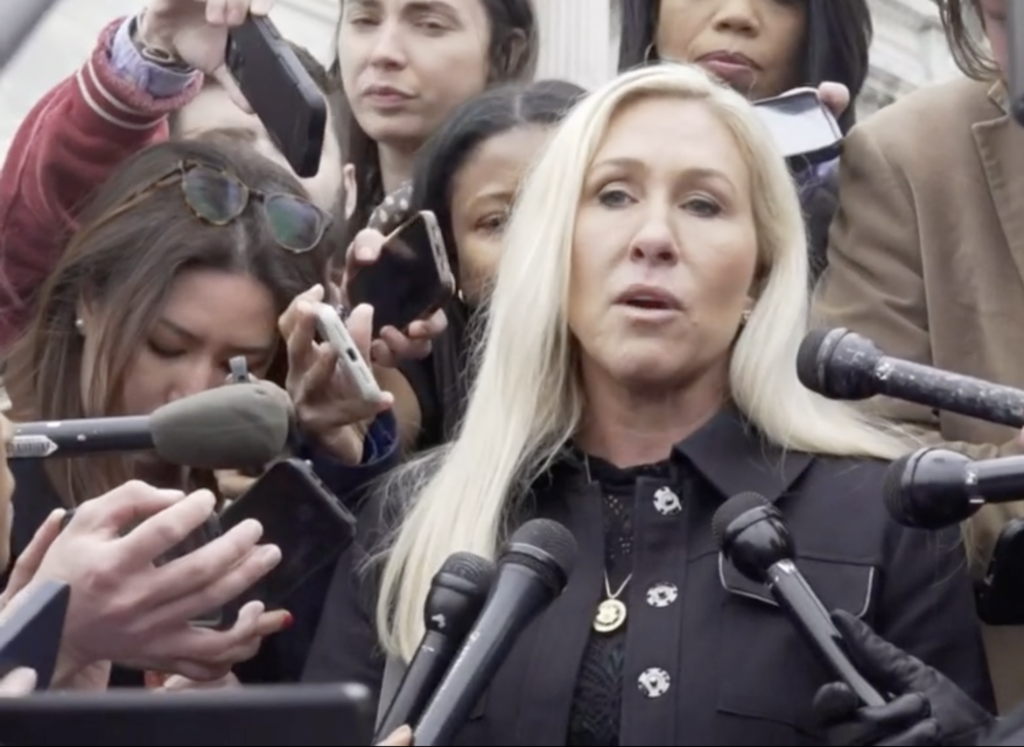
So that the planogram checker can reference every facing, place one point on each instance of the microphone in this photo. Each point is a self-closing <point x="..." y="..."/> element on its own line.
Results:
<point x="936" y="488"/>
<point x="230" y="427"/>
<point x="839" y="364"/>
<point x="457" y="594"/>
<point x="532" y="571"/>
<point x="753" y="536"/>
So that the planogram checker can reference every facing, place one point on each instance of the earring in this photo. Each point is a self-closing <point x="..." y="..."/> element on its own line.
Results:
<point x="746" y="315"/>
<point x="80" y="326"/>
<point x="651" y="53"/>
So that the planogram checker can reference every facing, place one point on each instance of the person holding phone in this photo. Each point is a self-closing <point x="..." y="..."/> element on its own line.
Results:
<point x="763" y="48"/>
<point x="929" y="267"/>
<point x="156" y="74"/>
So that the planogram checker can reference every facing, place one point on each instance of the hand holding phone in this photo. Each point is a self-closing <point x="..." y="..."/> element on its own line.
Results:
<point x="333" y="331"/>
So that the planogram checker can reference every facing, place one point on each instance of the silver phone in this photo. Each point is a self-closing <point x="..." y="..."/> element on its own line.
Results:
<point x="802" y="126"/>
<point x="333" y="331"/>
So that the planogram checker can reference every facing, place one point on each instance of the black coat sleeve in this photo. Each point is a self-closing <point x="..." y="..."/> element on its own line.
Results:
<point x="928" y="609"/>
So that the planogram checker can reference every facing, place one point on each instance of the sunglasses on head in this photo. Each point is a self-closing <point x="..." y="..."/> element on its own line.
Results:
<point x="218" y="198"/>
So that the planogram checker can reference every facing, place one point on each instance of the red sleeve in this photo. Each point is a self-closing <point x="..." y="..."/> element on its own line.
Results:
<point x="68" y="145"/>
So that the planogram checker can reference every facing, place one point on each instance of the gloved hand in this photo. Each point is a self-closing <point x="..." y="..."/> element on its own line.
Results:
<point x="928" y="709"/>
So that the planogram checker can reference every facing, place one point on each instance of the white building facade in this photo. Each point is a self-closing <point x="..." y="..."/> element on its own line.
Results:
<point x="579" y="43"/>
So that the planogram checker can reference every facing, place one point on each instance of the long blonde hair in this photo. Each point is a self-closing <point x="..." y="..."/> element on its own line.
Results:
<point x="526" y="401"/>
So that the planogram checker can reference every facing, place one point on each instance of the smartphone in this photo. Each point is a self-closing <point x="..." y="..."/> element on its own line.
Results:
<point x="282" y="94"/>
<point x="1015" y="27"/>
<point x="31" y="635"/>
<point x="410" y="280"/>
<point x="1000" y="595"/>
<point x="803" y="127"/>
<point x="332" y="330"/>
<point x="210" y="530"/>
<point x="301" y="516"/>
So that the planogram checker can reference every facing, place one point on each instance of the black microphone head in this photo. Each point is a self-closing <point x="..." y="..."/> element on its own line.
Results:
<point x="457" y="594"/>
<point x="928" y="489"/>
<point x="547" y="548"/>
<point x="751" y="534"/>
<point x="237" y="426"/>
<point x="838" y="364"/>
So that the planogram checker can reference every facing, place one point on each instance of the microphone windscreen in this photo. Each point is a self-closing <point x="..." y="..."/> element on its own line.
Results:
<point x="807" y="360"/>
<point x="236" y="426"/>
<point x="470" y="567"/>
<point x="733" y="509"/>
<point x="547" y="547"/>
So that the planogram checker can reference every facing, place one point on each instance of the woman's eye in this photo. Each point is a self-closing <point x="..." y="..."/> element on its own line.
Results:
<point x="163" y="352"/>
<point x="614" y="197"/>
<point x="703" y="207"/>
<point x="492" y="224"/>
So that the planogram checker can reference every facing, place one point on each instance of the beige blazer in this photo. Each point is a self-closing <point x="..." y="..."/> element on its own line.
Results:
<point x="926" y="257"/>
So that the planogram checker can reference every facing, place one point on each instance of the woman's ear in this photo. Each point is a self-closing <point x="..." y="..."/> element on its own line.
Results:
<point x="515" y="49"/>
<point x="348" y="180"/>
<point x="85" y="316"/>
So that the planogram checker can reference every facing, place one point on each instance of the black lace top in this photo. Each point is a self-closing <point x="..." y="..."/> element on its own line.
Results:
<point x="597" y="704"/>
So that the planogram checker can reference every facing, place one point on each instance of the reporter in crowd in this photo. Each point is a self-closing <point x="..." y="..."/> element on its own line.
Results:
<point x="186" y="259"/>
<point x="763" y="48"/>
<point x="404" y="67"/>
<point x="166" y="65"/>
<point x="123" y="607"/>
<point x="636" y="371"/>
<point x="930" y="267"/>
<point x="467" y="175"/>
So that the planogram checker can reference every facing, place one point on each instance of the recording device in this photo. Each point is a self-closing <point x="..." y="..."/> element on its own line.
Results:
<point x="410" y="280"/>
<point x="1015" y="31"/>
<point x="753" y="537"/>
<point x="332" y="329"/>
<point x="280" y="91"/>
<point x="934" y="488"/>
<point x="839" y="364"/>
<point x="1000" y="595"/>
<point x="457" y="594"/>
<point x="802" y="126"/>
<point x="230" y="427"/>
<point x="30" y="636"/>
<point x="330" y="715"/>
<point x="301" y="516"/>
<point x="532" y="571"/>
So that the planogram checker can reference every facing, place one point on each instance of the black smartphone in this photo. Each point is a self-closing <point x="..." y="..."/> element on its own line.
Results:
<point x="1015" y="31"/>
<point x="803" y="127"/>
<point x="301" y="516"/>
<point x="30" y="636"/>
<point x="282" y="94"/>
<point x="1000" y="595"/>
<point x="411" y="279"/>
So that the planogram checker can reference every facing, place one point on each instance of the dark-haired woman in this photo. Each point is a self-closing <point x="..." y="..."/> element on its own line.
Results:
<point x="763" y="48"/>
<point x="925" y="256"/>
<point x="185" y="260"/>
<point x="468" y="175"/>
<point x="405" y="66"/>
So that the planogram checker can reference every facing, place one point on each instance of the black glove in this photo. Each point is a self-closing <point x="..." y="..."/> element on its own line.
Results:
<point x="928" y="710"/>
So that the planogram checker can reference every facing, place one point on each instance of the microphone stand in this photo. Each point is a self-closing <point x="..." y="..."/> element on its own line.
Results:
<point x="18" y="18"/>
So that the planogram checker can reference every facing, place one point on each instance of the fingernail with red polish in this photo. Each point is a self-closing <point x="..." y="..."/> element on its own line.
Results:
<point x="288" y="621"/>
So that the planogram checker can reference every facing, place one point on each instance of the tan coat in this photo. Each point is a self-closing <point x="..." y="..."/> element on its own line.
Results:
<point x="927" y="259"/>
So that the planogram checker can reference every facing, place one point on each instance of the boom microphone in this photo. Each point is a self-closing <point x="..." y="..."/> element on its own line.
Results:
<point x="937" y="488"/>
<point x="752" y="535"/>
<point x="842" y="365"/>
<point x="533" y="570"/>
<point x="456" y="596"/>
<point x="230" y="427"/>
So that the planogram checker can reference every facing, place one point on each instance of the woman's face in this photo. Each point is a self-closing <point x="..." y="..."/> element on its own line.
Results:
<point x="753" y="45"/>
<point x="209" y="318"/>
<point x="482" y="194"/>
<point x="213" y="109"/>
<point x="993" y="16"/>
<point x="6" y="491"/>
<point x="407" y="64"/>
<point x="664" y="250"/>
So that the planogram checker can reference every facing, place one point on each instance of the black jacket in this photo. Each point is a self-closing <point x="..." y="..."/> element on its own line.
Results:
<point x="736" y="670"/>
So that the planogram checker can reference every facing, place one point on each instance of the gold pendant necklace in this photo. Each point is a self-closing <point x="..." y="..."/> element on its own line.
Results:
<point x="611" y="613"/>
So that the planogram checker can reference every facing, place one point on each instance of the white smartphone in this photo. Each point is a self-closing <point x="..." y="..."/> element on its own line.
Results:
<point x="333" y="331"/>
<point x="803" y="127"/>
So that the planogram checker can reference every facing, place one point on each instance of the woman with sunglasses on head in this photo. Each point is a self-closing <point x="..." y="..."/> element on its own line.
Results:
<point x="467" y="175"/>
<point x="926" y="256"/>
<point x="185" y="260"/>
<point x="763" y="48"/>
<point x="405" y="66"/>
